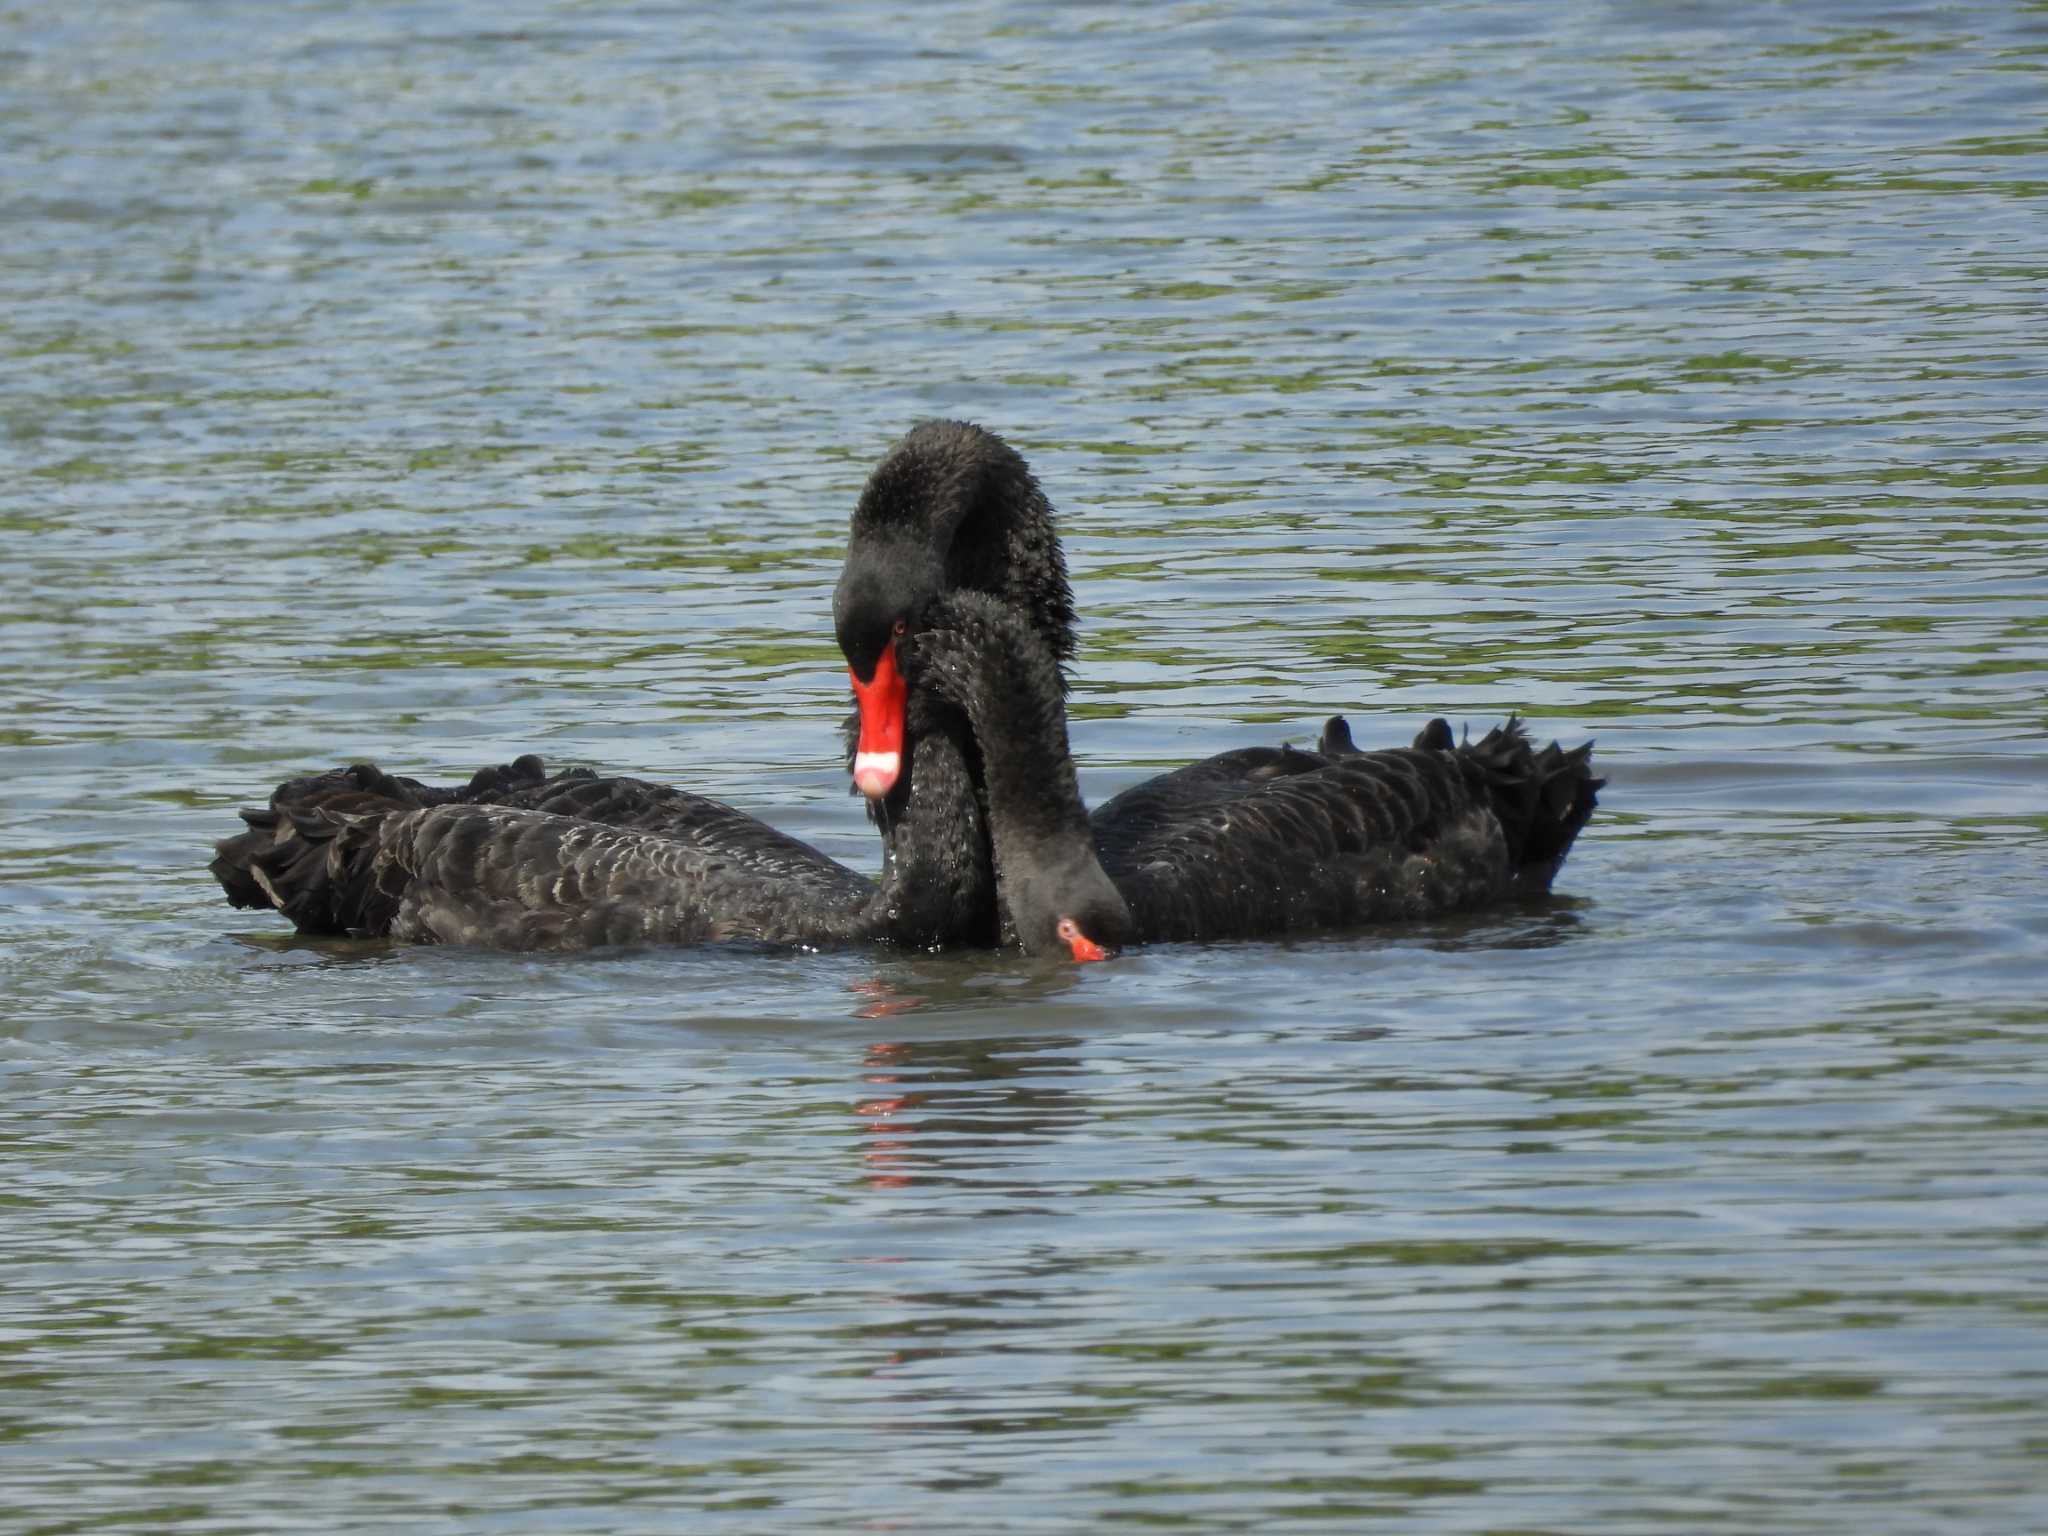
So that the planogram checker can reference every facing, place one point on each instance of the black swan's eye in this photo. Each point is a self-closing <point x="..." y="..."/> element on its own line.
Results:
<point x="902" y="626"/>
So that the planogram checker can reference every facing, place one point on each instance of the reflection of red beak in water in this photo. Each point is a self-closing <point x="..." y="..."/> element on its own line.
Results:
<point x="887" y="1148"/>
<point x="878" y="759"/>
<point x="887" y="1000"/>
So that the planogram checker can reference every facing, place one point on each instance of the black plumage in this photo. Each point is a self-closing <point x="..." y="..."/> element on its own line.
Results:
<point x="518" y="859"/>
<point x="954" y="571"/>
<point x="1254" y="842"/>
<point x="1278" y="841"/>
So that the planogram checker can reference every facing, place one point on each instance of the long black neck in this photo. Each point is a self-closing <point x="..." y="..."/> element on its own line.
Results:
<point x="938" y="880"/>
<point x="1006" y="545"/>
<point x="987" y="659"/>
<point x="1012" y="694"/>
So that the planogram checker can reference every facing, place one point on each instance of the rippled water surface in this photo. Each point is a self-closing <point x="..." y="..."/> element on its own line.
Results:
<point x="438" y="381"/>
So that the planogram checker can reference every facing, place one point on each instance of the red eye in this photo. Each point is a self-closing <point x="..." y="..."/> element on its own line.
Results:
<point x="902" y="626"/>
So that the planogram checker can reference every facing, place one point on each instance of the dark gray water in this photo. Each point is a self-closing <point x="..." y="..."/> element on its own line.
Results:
<point x="438" y="381"/>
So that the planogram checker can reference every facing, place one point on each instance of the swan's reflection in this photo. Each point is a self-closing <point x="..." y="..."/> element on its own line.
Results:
<point x="300" y="949"/>
<point x="955" y="1111"/>
<point x="1543" y="923"/>
<point x="963" y="981"/>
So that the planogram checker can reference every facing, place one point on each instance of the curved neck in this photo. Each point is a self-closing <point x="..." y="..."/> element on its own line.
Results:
<point x="938" y="881"/>
<point x="954" y="508"/>
<point x="1020" y="722"/>
<point x="1006" y="546"/>
<point x="988" y="659"/>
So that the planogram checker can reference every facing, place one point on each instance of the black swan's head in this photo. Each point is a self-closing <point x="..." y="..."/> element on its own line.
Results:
<point x="951" y="508"/>
<point x="1061" y="902"/>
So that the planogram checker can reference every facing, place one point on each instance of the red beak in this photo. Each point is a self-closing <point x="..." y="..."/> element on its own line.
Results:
<point x="1081" y="946"/>
<point x="878" y="759"/>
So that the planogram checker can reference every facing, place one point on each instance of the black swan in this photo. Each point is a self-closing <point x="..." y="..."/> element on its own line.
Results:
<point x="953" y="607"/>
<point x="516" y="859"/>
<point x="1256" y="842"/>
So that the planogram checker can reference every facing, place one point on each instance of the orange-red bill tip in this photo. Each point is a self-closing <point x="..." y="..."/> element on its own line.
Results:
<point x="1082" y="947"/>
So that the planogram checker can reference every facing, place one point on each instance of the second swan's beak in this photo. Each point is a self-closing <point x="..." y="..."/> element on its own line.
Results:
<point x="1079" y="944"/>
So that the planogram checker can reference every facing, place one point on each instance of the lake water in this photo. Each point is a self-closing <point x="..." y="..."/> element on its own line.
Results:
<point x="432" y="382"/>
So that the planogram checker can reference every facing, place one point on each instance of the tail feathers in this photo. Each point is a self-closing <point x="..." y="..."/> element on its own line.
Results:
<point x="1436" y="737"/>
<point x="1336" y="742"/>
<point x="315" y="866"/>
<point x="1542" y="797"/>
<point x="488" y="785"/>
<point x="311" y="854"/>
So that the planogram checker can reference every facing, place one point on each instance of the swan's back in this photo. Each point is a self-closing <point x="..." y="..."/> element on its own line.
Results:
<point x="519" y="860"/>
<point x="1270" y="841"/>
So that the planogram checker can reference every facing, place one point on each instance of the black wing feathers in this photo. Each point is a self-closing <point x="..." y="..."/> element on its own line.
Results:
<point x="1270" y="841"/>
<point x="517" y="859"/>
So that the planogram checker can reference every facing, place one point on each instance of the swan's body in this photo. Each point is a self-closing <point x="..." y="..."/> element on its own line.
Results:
<point x="517" y="859"/>
<point x="955" y="615"/>
<point x="1251" y="843"/>
<point x="524" y="861"/>
<point x="1280" y="841"/>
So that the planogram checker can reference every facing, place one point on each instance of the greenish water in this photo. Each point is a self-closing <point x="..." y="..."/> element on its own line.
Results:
<point x="441" y="381"/>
